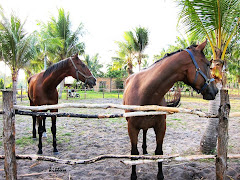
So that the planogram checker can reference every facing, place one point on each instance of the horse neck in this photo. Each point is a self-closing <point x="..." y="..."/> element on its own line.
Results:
<point x="56" y="77"/>
<point x="164" y="74"/>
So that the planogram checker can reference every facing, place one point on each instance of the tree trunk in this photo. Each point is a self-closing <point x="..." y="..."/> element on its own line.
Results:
<point x="209" y="139"/>
<point x="14" y="85"/>
<point x="129" y="68"/>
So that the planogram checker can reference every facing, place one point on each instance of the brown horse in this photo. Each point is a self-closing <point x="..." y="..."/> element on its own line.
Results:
<point x="149" y="86"/>
<point x="42" y="90"/>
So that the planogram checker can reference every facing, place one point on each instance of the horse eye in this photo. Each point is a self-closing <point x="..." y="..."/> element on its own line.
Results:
<point x="83" y="65"/>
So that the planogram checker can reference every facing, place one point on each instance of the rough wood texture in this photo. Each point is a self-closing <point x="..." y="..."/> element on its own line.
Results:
<point x="221" y="160"/>
<point x="129" y="114"/>
<point x="10" y="164"/>
<point x="136" y="159"/>
<point x="117" y="106"/>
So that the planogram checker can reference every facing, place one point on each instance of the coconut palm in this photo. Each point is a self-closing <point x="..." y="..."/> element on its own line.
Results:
<point x="94" y="65"/>
<point x="140" y="40"/>
<point x="60" y="28"/>
<point x="17" y="48"/>
<point x="218" y="21"/>
<point x="126" y="52"/>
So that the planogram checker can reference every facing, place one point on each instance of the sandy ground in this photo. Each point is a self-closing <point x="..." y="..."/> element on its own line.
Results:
<point x="87" y="138"/>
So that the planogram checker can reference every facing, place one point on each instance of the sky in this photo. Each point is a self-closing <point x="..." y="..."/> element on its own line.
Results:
<point x="105" y="21"/>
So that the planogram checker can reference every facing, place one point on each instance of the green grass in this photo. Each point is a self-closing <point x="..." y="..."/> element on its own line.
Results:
<point x="24" y="141"/>
<point x="94" y="95"/>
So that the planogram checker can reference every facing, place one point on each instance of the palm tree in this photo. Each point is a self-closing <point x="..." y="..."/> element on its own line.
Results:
<point x="60" y="28"/>
<point x="94" y="65"/>
<point x="17" y="48"/>
<point x="218" y="21"/>
<point x="126" y="52"/>
<point x="139" y="40"/>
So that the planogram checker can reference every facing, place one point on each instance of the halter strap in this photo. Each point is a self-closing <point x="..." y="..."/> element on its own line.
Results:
<point x="77" y="71"/>
<point x="199" y="71"/>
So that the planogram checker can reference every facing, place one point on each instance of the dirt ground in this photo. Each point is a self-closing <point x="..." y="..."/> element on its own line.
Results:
<point x="87" y="138"/>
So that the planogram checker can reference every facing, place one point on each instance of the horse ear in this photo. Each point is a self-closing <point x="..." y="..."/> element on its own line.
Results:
<point x="202" y="46"/>
<point x="76" y="55"/>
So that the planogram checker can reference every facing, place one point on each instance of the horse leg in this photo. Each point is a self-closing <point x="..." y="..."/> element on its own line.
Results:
<point x="144" y="145"/>
<point x="40" y="131"/>
<point x="133" y="134"/>
<point x="44" y="128"/>
<point x="160" y="132"/>
<point x="34" y="127"/>
<point x="54" y="131"/>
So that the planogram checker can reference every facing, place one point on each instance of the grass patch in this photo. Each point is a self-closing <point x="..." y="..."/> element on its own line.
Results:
<point x="176" y="119"/>
<point x="24" y="141"/>
<point x="67" y="134"/>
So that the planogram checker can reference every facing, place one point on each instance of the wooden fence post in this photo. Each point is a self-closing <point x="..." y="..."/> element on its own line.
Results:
<point x="10" y="164"/>
<point x="221" y="160"/>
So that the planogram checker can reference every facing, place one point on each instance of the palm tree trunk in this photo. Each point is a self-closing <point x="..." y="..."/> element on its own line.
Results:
<point x="14" y="85"/>
<point x="209" y="139"/>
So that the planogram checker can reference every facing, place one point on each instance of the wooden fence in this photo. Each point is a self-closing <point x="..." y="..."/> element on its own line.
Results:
<point x="9" y="111"/>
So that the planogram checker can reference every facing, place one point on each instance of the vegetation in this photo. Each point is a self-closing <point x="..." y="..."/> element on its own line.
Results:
<point x="17" y="47"/>
<point x="218" y="21"/>
<point x="132" y="48"/>
<point x="94" y="65"/>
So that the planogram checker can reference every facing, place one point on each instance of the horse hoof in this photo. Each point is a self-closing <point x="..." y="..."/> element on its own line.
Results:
<point x="44" y="135"/>
<point x="34" y="139"/>
<point x="160" y="176"/>
<point x="39" y="152"/>
<point x="133" y="177"/>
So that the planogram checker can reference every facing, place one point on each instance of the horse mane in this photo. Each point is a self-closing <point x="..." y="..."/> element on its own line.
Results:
<point x="55" y="67"/>
<point x="172" y="53"/>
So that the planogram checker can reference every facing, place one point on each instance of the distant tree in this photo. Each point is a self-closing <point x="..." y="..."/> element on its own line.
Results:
<point x="117" y="69"/>
<point x="126" y="53"/>
<point x="139" y="40"/>
<point x="133" y="46"/>
<point x="17" y="47"/>
<point x="94" y="65"/>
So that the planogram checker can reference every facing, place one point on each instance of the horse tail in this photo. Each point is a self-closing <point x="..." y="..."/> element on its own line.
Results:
<point x="175" y="102"/>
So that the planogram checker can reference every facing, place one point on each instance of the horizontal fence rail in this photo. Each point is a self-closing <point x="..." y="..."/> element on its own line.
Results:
<point x="162" y="109"/>
<point x="123" y="107"/>
<point x="135" y="159"/>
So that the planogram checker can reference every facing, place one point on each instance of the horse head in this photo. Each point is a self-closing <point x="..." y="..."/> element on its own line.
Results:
<point x="198" y="73"/>
<point x="81" y="72"/>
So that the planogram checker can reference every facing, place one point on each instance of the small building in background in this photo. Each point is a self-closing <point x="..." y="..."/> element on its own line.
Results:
<point x="109" y="84"/>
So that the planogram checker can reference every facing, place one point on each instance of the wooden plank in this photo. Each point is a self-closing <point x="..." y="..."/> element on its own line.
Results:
<point x="10" y="164"/>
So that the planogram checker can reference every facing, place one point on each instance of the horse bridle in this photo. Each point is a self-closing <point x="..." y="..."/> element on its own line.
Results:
<point x="199" y="71"/>
<point x="79" y="72"/>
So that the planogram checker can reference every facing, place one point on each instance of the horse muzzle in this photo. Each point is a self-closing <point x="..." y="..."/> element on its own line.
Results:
<point x="90" y="82"/>
<point x="210" y="92"/>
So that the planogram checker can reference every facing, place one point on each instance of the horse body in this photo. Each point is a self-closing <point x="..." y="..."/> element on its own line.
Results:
<point x="42" y="90"/>
<point x="149" y="86"/>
